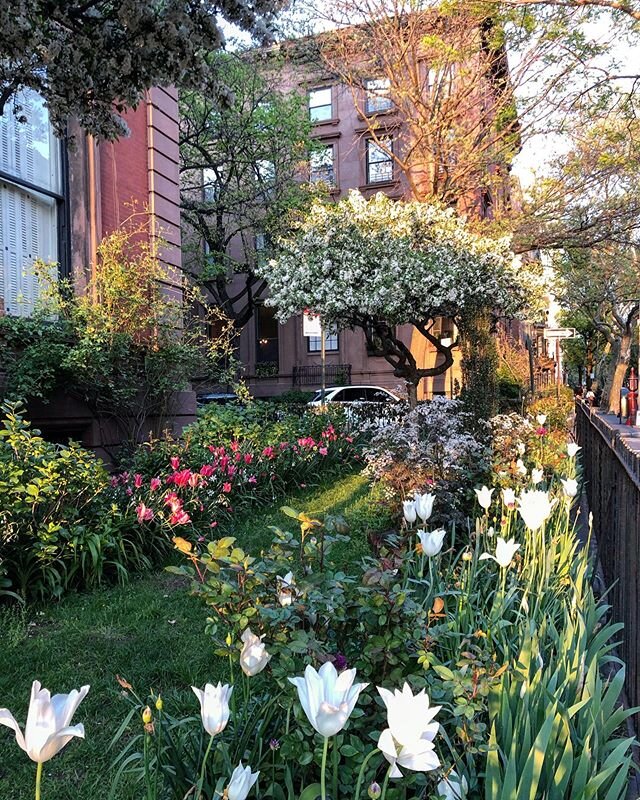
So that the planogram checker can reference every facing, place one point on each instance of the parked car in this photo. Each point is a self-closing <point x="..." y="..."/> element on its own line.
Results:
<point x="354" y="394"/>
<point x="219" y="398"/>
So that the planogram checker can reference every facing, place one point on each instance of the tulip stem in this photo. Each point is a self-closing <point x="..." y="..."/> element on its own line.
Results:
<point x="323" y="773"/>
<point x="202" y="771"/>
<point x="385" y="784"/>
<point x="38" y="779"/>
<point x="361" y="774"/>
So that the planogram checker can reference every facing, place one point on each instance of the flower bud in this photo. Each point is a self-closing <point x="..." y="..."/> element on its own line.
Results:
<point x="374" y="791"/>
<point x="467" y="556"/>
<point x="159" y="704"/>
<point x="147" y="716"/>
<point x="229" y="640"/>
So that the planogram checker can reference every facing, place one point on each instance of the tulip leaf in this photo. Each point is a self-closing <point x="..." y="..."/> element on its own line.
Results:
<point x="311" y="792"/>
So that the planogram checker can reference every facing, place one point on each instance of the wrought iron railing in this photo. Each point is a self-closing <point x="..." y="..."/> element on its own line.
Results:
<point x="311" y="375"/>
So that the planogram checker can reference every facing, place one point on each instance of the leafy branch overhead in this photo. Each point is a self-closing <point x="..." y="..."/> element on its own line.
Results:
<point x="93" y="60"/>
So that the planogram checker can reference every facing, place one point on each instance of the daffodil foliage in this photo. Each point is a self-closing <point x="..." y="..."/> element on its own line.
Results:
<point x="376" y="264"/>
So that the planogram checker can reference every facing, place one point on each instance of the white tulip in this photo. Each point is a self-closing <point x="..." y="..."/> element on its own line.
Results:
<point x="453" y="787"/>
<point x="409" y="511"/>
<point x="484" y="497"/>
<point x="214" y="706"/>
<point x="253" y="657"/>
<point x="521" y="467"/>
<point x="541" y="419"/>
<point x="47" y="730"/>
<point x="509" y="498"/>
<point x="424" y="505"/>
<point x="521" y="448"/>
<point x="328" y="698"/>
<point x="569" y="486"/>
<point x="505" y="552"/>
<point x="241" y="782"/>
<point x="536" y="476"/>
<point x="431" y="541"/>
<point x="535" y="508"/>
<point x="418" y="756"/>
<point x="409" y="717"/>
<point x="572" y="449"/>
<point x="286" y="589"/>
<point x="408" y="741"/>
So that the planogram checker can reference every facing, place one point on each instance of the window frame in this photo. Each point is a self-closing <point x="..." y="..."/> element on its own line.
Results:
<point x="370" y="95"/>
<point x="327" y="348"/>
<point x="329" y="105"/>
<point x="333" y="183"/>
<point x="370" y="142"/>
<point x="60" y="197"/>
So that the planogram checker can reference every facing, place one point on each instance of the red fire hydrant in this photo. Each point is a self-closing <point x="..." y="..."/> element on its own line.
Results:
<point x="632" y="398"/>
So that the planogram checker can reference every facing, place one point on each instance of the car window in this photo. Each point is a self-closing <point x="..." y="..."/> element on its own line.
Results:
<point x="379" y="396"/>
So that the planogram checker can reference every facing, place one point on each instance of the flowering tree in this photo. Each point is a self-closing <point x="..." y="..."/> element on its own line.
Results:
<point x="377" y="264"/>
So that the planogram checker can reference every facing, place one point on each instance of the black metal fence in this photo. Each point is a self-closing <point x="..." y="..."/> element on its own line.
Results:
<point x="612" y="477"/>
<point x="335" y="374"/>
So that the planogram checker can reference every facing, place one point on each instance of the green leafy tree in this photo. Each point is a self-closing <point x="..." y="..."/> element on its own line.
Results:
<point x="93" y="59"/>
<point x="241" y="163"/>
<point x="378" y="264"/>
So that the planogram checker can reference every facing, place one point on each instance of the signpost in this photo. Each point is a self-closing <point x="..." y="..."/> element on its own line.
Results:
<point x="312" y="326"/>
<point x="559" y="333"/>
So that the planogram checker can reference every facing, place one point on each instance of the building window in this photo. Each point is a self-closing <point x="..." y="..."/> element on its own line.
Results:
<point x="31" y="202"/>
<point x="379" y="161"/>
<point x="377" y="95"/>
<point x="486" y="205"/>
<point x="320" y="104"/>
<point x="210" y="185"/>
<point x="321" y="166"/>
<point x="267" y="350"/>
<point x="331" y="343"/>
<point x="262" y="246"/>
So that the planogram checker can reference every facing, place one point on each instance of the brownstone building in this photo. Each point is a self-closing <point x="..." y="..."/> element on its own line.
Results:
<point x="58" y="201"/>
<point x="277" y="357"/>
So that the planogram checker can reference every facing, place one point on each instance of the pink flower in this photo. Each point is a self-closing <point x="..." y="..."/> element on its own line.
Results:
<point x="269" y="452"/>
<point x="175" y="462"/>
<point x="179" y="517"/>
<point x="237" y="457"/>
<point x="194" y="479"/>
<point x="541" y="431"/>
<point x="144" y="513"/>
<point x="114" y="481"/>
<point x="235" y="446"/>
<point x="323" y="451"/>
<point x="129" y="492"/>
<point x="284" y="445"/>
<point x="226" y="487"/>
<point x="348" y="439"/>
<point x="207" y="470"/>
<point x="124" y="477"/>
<point x="223" y="462"/>
<point x="248" y="458"/>
<point x="181" y="478"/>
<point x="214" y="524"/>
<point x="137" y="480"/>
<point x="154" y="484"/>
<point x="231" y="470"/>
<point x="253" y="479"/>
<point x="173" y="501"/>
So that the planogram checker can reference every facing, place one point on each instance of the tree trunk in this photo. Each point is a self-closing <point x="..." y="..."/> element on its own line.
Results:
<point x="412" y="394"/>
<point x="621" y="354"/>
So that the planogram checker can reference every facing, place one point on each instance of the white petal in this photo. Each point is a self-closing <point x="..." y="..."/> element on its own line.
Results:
<point x="7" y="718"/>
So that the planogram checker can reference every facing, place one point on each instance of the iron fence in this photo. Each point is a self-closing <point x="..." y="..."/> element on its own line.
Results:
<point x="612" y="480"/>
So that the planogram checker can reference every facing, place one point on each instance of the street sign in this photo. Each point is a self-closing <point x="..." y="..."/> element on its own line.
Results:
<point x="311" y="324"/>
<point x="559" y="333"/>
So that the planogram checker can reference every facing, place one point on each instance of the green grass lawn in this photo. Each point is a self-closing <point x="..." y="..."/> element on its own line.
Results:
<point x="150" y="632"/>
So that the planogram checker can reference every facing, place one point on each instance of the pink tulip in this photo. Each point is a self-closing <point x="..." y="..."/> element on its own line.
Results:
<point x="207" y="470"/>
<point x="323" y="451"/>
<point x="175" y="462"/>
<point x="179" y="517"/>
<point x="226" y="487"/>
<point x="173" y="501"/>
<point x="114" y="481"/>
<point x="253" y="479"/>
<point x="144" y="513"/>
<point x="137" y="480"/>
<point x="154" y="484"/>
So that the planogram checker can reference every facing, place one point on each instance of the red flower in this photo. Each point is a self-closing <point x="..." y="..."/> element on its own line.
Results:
<point x="284" y="445"/>
<point x="207" y="470"/>
<point x="248" y="458"/>
<point x="181" y="478"/>
<point x="235" y="446"/>
<point x="226" y="487"/>
<point x="231" y="470"/>
<point x="175" y="462"/>
<point x="194" y="480"/>
<point x="137" y="480"/>
<point x="541" y="431"/>
<point x="154" y="484"/>
<point x="144" y="513"/>
<point x="179" y="517"/>
<point x="223" y="462"/>
<point x="269" y="452"/>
